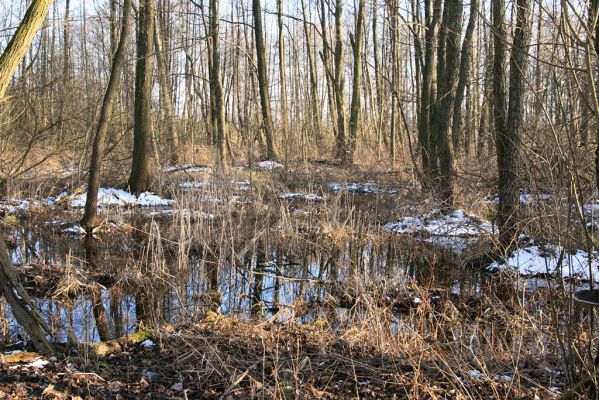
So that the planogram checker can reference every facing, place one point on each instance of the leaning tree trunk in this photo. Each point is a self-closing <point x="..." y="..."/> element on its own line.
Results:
<point x="271" y="153"/>
<point x="141" y="173"/>
<point x="21" y="40"/>
<point x="21" y="306"/>
<point x="90" y="216"/>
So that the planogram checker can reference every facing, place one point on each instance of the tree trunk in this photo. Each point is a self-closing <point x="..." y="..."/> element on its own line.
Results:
<point x="339" y="83"/>
<point x="432" y="16"/>
<point x="21" y="40"/>
<point x="271" y="153"/>
<point x="508" y="139"/>
<point x="354" y="118"/>
<point x="217" y="86"/>
<point x="316" y="117"/>
<point x="447" y="80"/>
<point x="140" y="179"/>
<point x="282" y="64"/>
<point x="465" y="63"/>
<point x="21" y="306"/>
<point x="166" y="93"/>
<point x="90" y="217"/>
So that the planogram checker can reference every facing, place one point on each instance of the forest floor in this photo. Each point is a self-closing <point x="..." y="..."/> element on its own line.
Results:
<point x="225" y="357"/>
<point x="413" y="334"/>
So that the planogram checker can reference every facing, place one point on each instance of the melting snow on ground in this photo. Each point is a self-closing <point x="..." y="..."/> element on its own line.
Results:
<point x="193" y="215"/>
<point x="455" y="230"/>
<point x="550" y="259"/>
<point x="301" y="197"/>
<point x="269" y="165"/>
<point x="439" y="223"/>
<point x="118" y="197"/>
<point x="187" y="168"/>
<point x="364" y="188"/>
<point x="526" y="197"/>
<point x="17" y="206"/>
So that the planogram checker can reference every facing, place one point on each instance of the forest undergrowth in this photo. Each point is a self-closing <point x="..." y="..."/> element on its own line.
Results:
<point x="285" y="283"/>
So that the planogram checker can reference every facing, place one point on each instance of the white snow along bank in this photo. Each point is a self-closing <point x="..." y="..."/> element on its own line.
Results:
<point x="116" y="197"/>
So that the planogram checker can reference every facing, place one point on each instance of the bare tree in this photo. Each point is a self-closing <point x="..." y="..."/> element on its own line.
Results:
<point x="509" y="117"/>
<point x="269" y="129"/>
<point x="141" y="172"/>
<point x="90" y="216"/>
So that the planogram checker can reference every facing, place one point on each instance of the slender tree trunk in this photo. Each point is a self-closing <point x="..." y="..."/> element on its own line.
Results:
<point x="215" y="76"/>
<point x="140" y="179"/>
<point x="166" y="93"/>
<point x="339" y="83"/>
<point x="282" y="64"/>
<point x="271" y="152"/>
<point x="316" y="116"/>
<point x="465" y="63"/>
<point x="90" y="217"/>
<point x="432" y="9"/>
<point x="354" y="118"/>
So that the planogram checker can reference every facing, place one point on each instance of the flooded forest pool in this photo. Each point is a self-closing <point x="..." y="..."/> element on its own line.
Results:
<point x="249" y="249"/>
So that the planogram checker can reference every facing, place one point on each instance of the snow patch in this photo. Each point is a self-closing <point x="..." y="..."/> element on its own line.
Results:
<point x="269" y="165"/>
<point x="536" y="260"/>
<point x="455" y="230"/>
<point x="526" y="197"/>
<point x="187" y="168"/>
<point x="74" y="229"/>
<point x="362" y="188"/>
<point x="301" y="197"/>
<point x="116" y="197"/>
<point x="147" y="344"/>
<point x="477" y="374"/>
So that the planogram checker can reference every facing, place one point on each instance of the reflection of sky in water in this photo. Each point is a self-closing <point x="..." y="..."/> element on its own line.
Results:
<point x="185" y="293"/>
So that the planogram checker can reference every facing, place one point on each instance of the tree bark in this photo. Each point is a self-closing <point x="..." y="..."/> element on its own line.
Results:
<point x="140" y="179"/>
<point x="508" y="140"/>
<point x="166" y="93"/>
<point x="354" y="118"/>
<point x="90" y="217"/>
<point x="447" y="80"/>
<point x="339" y="83"/>
<point x="21" y="40"/>
<point x="432" y="16"/>
<point x="465" y="63"/>
<point x="271" y="153"/>
<point x="217" y="86"/>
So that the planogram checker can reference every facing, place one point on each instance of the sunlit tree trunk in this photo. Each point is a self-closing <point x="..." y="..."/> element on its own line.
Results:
<point x="141" y="170"/>
<point x="465" y="63"/>
<point x="217" y="86"/>
<point x="90" y="217"/>
<point x="354" y="118"/>
<point x="271" y="153"/>
<point x="339" y="83"/>
<point x="166" y="93"/>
